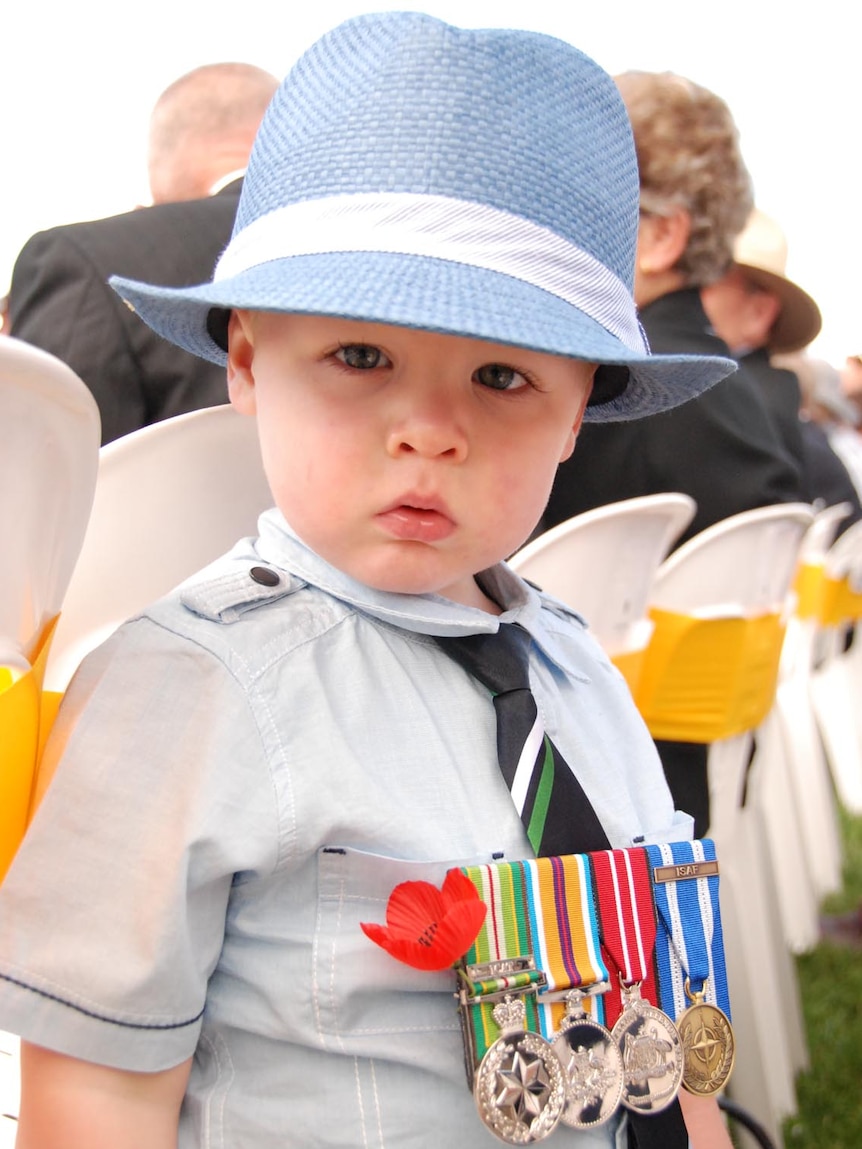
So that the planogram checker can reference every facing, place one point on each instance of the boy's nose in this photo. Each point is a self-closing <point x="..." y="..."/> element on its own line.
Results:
<point x="430" y="431"/>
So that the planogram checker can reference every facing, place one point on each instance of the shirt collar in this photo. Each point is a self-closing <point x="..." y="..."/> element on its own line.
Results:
<point x="430" y="614"/>
<point x="222" y="183"/>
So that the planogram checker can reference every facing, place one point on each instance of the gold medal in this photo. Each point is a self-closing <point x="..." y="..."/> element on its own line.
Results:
<point x="652" y="1054"/>
<point x="708" y="1045"/>
<point x="520" y="1086"/>
<point x="593" y="1065"/>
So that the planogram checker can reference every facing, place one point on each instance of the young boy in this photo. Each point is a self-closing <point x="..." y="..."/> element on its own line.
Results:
<point x="427" y="290"/>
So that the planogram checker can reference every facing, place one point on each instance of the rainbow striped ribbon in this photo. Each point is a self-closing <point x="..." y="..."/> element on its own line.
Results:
<point x="544" y="908"/>
<point x="689" y="943"/>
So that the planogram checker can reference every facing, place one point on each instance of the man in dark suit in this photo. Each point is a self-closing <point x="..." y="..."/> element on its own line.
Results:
<point x="201" y="133"/>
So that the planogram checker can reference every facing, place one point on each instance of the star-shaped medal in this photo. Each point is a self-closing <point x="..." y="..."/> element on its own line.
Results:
<point x="523" y="1086"/>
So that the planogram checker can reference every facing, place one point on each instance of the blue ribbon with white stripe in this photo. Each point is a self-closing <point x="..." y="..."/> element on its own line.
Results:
<point x="689" y="940"/>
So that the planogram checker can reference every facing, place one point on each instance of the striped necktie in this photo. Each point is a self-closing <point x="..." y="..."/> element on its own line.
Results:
<point x="556" y="812"/>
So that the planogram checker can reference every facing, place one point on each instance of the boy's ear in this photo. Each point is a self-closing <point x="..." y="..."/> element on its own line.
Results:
<point x="572" y="438"/>
<point x="662" y="239"/>
<point x="240" y="363"/>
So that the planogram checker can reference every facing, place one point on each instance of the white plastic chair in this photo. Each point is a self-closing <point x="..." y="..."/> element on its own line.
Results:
<point x="739" y="572"/>
<point x="602" y="564"/>
<point x="836" y="683"/>
<point x="49" y="445"/>
<point x="170" y="498"/>
<point x="799" y="736"/>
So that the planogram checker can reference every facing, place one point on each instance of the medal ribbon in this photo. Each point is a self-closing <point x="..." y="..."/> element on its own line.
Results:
<point x="627" y="923"/>
<point x="541" y="907"/>
<point x="690" y="942"/>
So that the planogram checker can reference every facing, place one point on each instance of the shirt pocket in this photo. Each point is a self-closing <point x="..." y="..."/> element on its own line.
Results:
<point x="367" y="1003"/>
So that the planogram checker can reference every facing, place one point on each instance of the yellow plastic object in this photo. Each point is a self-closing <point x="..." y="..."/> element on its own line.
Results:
<point x="808" y="586"/>
<point x="704" y="679"/>
<point x="831" y="601"/>
<point x="839" y="603"/>
<point x="25" y="721"/>
<point x="630" y="664"/>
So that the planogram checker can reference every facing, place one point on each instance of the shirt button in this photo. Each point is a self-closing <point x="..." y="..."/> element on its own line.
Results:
<point x="264" y="576"/>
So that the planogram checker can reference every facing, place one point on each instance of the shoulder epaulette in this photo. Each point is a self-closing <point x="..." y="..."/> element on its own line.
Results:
<point x="247" y="586"/>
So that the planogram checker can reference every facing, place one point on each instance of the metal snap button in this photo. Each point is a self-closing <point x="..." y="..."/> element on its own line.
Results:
<point x="264" y="576"/>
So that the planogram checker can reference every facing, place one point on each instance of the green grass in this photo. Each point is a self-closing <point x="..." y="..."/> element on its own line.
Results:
<point x="830" y="978"/>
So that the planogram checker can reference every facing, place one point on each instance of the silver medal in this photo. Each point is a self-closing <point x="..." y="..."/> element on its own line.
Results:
<point x="652" y="1054"/>
<point x="593" y="1065"/>
<point x="520" y="1086"/>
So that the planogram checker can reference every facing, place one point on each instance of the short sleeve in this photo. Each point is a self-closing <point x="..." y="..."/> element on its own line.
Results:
<point x="112" y="916"/>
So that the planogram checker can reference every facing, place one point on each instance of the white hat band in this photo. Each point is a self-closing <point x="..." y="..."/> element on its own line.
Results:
<point x="440" y="228"/>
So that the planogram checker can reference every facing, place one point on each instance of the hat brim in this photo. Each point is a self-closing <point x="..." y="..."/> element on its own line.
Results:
<point x="799" y="320"/>
<point x="433" y="295"/>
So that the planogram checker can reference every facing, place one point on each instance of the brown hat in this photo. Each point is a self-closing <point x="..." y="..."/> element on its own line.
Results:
<point x="761" y="251"/>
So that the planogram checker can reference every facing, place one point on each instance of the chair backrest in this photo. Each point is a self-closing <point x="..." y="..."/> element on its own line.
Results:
<point x="837" y="602"/>
<point x="815" y="596"/>
<point x="170" y="498"/>
<point x="49" y="451"/>
<point x="843" y="560"/>
<point x="743" y="565"/>
<point x="719" y="605"/>
<point x="821" y="534"/>
<point x="602" y="563"/>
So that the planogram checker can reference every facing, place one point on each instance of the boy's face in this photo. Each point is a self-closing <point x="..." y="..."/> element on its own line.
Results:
<point x="407" y="459"/>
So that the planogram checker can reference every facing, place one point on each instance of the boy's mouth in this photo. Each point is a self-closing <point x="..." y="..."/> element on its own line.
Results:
<point x="417" y="520"/>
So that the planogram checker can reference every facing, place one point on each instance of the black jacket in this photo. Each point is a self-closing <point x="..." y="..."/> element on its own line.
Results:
<point x="60" y="301"/>
<point x="824" y="476"/>
<point x="720" y="448"/>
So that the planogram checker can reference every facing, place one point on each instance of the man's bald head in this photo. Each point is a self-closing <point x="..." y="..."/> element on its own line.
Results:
<point x="203" y="126"/>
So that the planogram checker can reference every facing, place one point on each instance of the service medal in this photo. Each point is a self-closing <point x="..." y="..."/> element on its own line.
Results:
<point x="652" y="1054"/>
<point x="520" y="1086"/>
<point x="690" y="950"/>
<point x="708" y="1046"/>
<point x="593" y="1065"/>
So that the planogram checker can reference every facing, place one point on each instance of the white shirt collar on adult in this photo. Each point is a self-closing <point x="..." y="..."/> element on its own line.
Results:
<point x="222" y="183"/>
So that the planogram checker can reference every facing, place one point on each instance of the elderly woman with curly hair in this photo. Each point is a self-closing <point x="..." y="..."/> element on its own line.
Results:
<point x="720" y="448"/>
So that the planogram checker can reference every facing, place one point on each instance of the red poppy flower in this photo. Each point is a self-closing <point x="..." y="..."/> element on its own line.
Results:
<point x="428" y="928"/>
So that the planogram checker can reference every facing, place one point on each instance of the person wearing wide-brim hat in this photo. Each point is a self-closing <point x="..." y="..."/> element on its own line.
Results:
<point x="754" y="304"/>
<point x="428" y="282"/>
<point x="759" y="312"/>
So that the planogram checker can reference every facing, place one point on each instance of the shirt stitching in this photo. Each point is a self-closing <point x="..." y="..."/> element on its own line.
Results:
<point x="376" y="1101"/>
<point x="359" y="1101"/>
<point x="101" y="1016"/>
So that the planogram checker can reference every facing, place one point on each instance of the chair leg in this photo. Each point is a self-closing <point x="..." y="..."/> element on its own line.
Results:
<point x="763" y="993"/>
<point x="811" y="784"/>
<point x="740" y="1117"/>
<point x="835" y="707"/>
<point x="770" y="797"/>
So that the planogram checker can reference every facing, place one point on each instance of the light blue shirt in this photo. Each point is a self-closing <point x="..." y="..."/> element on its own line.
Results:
<point x="246" y="771"/>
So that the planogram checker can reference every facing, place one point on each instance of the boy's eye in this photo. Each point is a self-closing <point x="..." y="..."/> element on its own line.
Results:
<point x="362" y="356"/>
<point x="499" y="377"/>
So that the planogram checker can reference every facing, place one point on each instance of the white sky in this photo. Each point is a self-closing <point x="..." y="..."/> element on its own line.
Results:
<point x="77" y="82"/>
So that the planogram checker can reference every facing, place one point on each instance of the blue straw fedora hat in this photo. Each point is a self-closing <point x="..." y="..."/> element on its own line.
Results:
<point x="474" y="183"/>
